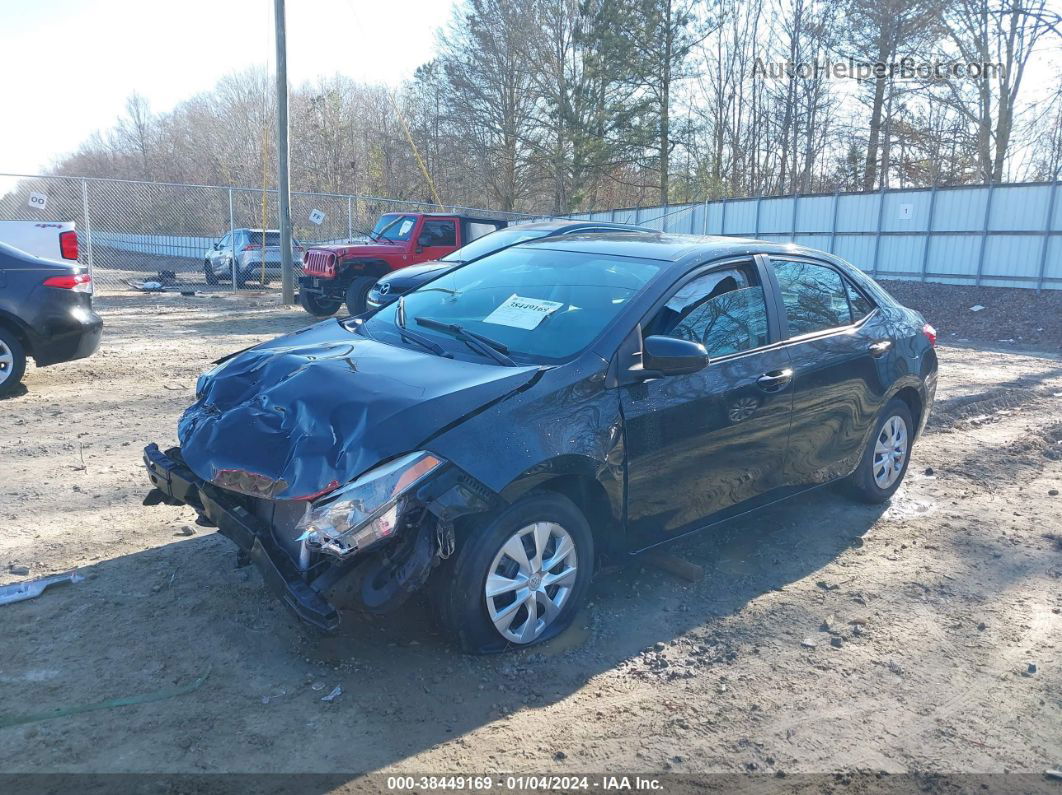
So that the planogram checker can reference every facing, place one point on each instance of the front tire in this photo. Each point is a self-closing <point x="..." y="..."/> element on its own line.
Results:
<point x="520" y="579"/>
<point x="358" y="294"/>
<point x="318" y="305"/>
<point x="884" y="463"/>
<point x="208" y="272"/>
<point x="12" y="362"/>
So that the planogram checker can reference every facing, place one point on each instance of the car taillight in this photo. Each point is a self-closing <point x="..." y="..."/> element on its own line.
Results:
<point x="68" y="244"/>
<point x="78" y="282"/>
<point x="930" y="334"/>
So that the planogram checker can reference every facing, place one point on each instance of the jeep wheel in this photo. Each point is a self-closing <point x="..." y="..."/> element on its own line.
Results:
<point x="358" y="293"/>
<point x="208" y="272"/>
<point x="318" y="305"/>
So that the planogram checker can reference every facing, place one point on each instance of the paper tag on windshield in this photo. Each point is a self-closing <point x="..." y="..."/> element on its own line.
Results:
<point x="525" y="313"/>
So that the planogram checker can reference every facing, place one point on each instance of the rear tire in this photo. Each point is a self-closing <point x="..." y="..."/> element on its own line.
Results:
<point x="12" y="362"/>
<point x="884" y="463"/>
<point x="543" y="526"/>
<point x="318" y="305"/>
<point x="358" y="294"/>
<point x="208" y="272"/>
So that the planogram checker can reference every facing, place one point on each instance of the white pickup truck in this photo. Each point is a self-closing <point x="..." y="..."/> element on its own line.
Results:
<point x="54" y="240"/>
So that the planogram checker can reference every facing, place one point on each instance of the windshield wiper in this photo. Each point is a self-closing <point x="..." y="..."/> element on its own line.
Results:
<point x="424" y="342"/>
<point x="485" y="345"/>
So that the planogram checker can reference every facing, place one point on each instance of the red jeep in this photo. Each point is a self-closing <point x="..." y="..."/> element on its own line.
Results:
<point x="346" y="271"/>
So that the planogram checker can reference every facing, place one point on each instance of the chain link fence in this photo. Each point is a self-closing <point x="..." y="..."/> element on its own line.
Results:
<point x="161" y="236"/>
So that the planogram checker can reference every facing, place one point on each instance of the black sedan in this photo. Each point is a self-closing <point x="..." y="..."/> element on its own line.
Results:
<point x="497" y="433"/>
<point x="388" y="289"/>
<point x="45" y="312"/>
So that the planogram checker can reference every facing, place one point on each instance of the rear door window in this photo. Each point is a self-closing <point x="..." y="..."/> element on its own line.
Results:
<point x="861" y="305"/>
<point x="815" y="297"/>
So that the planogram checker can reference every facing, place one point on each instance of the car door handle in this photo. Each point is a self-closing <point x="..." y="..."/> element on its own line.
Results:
<point x="879" y="348"/>
<point x="775" y="380"/>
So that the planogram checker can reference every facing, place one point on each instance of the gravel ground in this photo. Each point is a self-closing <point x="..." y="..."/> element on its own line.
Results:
<point x="1012" y="317"/>
<point x="826" y="637"/>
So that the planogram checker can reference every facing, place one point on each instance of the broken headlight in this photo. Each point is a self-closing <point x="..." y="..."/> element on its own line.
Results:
<point x="366" y="510"/>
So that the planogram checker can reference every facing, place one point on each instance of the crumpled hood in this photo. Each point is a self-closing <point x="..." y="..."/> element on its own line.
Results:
<point x="306" y="412"/>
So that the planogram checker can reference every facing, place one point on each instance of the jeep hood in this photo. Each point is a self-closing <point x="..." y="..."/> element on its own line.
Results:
<point x="299" y="415"/>
<point x="368" y="248"/>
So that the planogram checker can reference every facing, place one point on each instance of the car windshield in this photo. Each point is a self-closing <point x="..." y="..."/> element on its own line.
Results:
<point x="492" y="242"/>
<point x="539" y="305"/>
<point x="394" y="227"/>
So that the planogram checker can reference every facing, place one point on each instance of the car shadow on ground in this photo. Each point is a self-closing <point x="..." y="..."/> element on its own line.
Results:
<point x="160" y="619"/>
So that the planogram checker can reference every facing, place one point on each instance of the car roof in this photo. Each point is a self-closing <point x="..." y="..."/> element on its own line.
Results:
<point x="679" y="249"/>
<point x="462" y="216"/>
<point x="564" y="224"/>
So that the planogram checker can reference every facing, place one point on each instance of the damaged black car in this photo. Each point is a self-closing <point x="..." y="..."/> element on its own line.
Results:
<point x="496" y="434"/>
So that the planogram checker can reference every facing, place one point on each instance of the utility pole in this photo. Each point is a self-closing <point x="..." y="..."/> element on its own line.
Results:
<point x="287" y="271"/>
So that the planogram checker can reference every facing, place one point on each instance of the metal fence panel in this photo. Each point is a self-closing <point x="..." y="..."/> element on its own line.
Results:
<point x="999" y="235"/>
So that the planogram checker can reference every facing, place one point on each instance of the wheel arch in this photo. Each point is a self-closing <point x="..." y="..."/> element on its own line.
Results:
<point x="580" y="480"/>
<point x="10" y="323"/>
<point x="913" y="400"/>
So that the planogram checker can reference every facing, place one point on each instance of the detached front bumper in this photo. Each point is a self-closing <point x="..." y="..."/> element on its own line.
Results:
<point x="177" y="482"/>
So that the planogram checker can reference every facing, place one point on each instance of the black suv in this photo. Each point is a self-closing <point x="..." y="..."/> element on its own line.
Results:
<point x="45" y="312"/>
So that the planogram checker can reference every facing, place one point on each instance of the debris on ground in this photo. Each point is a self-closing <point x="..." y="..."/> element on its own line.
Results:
<point x="17" y="570"/>
<point x="30" y="589"/>
<point x="337" y="691"/>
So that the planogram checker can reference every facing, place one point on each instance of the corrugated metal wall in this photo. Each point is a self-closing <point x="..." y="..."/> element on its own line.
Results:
<point x="998" y="235"/>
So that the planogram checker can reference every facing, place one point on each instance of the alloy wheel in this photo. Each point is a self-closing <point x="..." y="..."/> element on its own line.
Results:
<point x="530" y="581"/>
<point x="890" y="452"/>
<point x="7" y="362"/>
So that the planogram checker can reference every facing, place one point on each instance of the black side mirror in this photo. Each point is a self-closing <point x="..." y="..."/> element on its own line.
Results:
<point x="216" y="246"/>
<point x="671" y="356"/>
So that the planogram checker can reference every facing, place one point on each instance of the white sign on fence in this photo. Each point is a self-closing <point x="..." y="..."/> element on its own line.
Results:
<point x="906" y="212"/>
<point x="38" y="201"/>
<point x="316" y="217"/>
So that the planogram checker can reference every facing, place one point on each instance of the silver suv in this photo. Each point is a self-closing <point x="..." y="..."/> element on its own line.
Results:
<point x="241" y="251"/>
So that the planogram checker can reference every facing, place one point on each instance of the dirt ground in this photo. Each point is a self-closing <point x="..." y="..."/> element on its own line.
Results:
<point x="825" y="637"/>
